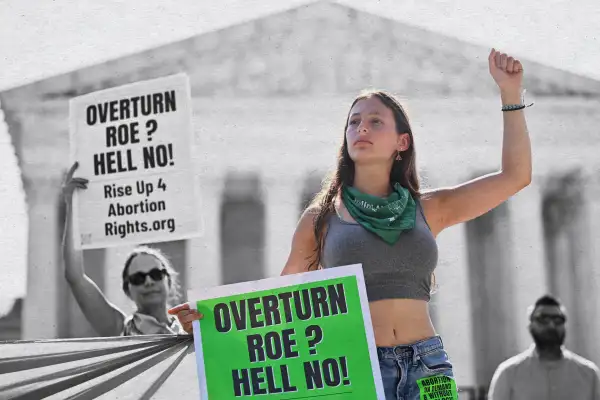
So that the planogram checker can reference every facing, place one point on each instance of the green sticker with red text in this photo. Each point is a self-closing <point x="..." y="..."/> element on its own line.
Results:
<point x="439" y="387"/>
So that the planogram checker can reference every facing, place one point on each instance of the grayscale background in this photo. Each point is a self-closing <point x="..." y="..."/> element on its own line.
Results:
<point x="271" y="86"/>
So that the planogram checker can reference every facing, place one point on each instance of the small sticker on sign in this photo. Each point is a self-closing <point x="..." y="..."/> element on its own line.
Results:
<point x="438" y="387"/>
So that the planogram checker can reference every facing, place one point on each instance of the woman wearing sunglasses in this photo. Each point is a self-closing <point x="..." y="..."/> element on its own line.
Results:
<point x="149" y="281"/>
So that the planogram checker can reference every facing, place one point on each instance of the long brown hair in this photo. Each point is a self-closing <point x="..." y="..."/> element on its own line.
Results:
<point x="403" y="171"/>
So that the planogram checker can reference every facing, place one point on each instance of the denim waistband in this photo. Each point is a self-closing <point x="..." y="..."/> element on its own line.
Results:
<point x="411" y="351"/>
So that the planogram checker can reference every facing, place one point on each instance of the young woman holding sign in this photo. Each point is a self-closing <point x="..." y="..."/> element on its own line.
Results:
<point x="373" y="213"/>
<point x="149" y="281"/>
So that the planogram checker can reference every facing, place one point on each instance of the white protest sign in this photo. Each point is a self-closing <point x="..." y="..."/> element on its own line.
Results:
<point x="134" y="144"/>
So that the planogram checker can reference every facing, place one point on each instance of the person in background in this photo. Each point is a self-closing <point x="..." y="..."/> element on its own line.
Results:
<point x="547" y="370"/>
<point x="373" y="212"/>
<point x="149" y="280"/>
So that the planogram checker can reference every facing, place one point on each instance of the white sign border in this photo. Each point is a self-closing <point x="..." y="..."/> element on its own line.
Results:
<point x="279" y="282"/>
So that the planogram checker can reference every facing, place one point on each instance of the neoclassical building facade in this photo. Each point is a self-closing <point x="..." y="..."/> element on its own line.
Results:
<point x="269" y="101"/>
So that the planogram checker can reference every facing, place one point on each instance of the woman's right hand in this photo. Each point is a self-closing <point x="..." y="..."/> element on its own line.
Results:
<point x="71" y="184"/>
<point x="186" y="316"/>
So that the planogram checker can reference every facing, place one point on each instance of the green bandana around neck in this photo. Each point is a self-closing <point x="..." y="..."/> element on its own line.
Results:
<point x="386" y="217"/>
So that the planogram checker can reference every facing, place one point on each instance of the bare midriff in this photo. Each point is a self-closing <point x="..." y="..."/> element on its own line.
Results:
<point x="400" y="321"/>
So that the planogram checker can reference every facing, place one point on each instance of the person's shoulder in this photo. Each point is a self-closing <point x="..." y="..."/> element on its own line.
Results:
<point x="581" y="362"/>
<point x="310" y="214"/>
<point x="515" y="361"/>
<point x="312" y="210"/>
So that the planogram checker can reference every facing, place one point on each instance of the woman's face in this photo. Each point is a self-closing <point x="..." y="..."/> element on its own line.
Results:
<point x="150" y="286"/>
<point x="371" y="134"/>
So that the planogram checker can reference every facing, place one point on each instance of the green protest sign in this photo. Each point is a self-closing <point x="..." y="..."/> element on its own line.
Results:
<point x="292" y="337"/>
<point x="439" y="387"/>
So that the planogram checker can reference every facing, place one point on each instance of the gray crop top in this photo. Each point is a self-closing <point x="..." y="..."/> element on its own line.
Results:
<point x="402" y="270"/>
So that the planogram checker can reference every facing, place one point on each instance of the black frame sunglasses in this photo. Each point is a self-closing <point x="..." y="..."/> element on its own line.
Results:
<point x="139" y="278"/>
<point x="556" y="319"/>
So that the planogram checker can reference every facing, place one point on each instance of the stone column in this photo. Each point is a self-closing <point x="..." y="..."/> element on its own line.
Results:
<point x="41" y="305"/>
<point x="492" y="291"/>
<point x="204" y="254"/>
<point x="567" y="237"/>
<point x="528" y="267"/>
<point x="452" y="303"/>
<point x="592" y="269"/>
<point x="450" y="306"/>
<point x="282" y="199"/>
<point x="243" y="227"/>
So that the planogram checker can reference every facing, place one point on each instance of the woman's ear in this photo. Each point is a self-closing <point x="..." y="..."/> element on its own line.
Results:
<point x="403" y="142"/>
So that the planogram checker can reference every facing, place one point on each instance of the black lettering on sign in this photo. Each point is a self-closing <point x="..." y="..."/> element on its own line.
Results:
<point x="331" y="372"/>
<point x="257" y="379"/>
<point x="146" y="105"/>
<point x="337" y="299"/>
<point x="143" y="207"/>
<point x="241" y="382"/>
<point x="122" y="135"/>
<point x="151" y="126"/>
<point x="144" y="187"/>
<point x="158" y="156"/>
<point x="437" y="387"/>
<point x="312" y="373"/>
<point x="113" y="191"/>
<point x="113" y="162"/>
<point x="272" y="346"/>
<point x="272" y="316"/>
<point x="316" y="336"/>
<point x="344" y="368"/>
<point x="302" y="304"/>
<point x="134" y="107"/>
<point x="271" y="383"/>
<point x="134" y="103"/>
<point x="261" y="380"/>
<point x="124" y="229"/>
<point x="91" y="115"/>
<point x="287" y="307"/>
<point x="319" y="298"/>
<point x="285" y="380"/>
<point x="113" y="110"/>
<point x="124" y="109"/>
<point x="255" y="312"/>
<point x="289" y="343"/>
<point x="255" y="347"/>
<point x="222" y="318"/>
<point x="170" y="102"/>
<point x="239" y="314"/>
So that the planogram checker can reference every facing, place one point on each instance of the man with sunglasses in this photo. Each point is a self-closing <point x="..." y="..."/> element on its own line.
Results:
<point x="546" y="370"/>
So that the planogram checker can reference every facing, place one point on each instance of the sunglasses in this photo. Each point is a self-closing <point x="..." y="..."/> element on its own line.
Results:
<point x="545" y="319"/>
<point x="140" y="277"/>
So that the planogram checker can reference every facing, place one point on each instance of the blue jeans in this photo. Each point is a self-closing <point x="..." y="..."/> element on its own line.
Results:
<point x="401" y="367"/>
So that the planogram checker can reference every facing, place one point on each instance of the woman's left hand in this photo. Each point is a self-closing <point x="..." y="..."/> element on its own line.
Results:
<point x="507" y="71"/>
<point x="186" y="316"/>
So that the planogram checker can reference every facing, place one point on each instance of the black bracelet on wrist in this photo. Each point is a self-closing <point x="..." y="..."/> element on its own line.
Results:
<point x="515" y="107"/>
